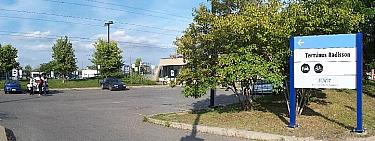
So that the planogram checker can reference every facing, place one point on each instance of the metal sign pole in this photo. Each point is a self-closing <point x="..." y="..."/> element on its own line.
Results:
<point x="359" y="128"/>
<point x="292" y="96"/>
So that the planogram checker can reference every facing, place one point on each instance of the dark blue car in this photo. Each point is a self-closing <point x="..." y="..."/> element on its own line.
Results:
<point x="12" y="86"/>
<point x="112" y="84"/>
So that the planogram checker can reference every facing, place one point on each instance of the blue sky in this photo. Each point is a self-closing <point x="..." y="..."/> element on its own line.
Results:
<point x="144" y="28"/>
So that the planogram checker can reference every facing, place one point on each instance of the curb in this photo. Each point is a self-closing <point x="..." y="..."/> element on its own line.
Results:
<point x="232" y="132"/>
<point x="3" y="135"/>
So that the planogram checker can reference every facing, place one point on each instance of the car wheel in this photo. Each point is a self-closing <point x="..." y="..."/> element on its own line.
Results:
<point x="102" y="87"/>
<point x="6" y="92"/>
<point x="110" y="88"/>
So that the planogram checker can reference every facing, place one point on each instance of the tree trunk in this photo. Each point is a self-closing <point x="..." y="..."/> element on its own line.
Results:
<point x="63" y="79"/>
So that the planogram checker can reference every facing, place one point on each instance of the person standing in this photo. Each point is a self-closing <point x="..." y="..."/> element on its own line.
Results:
<point x="44" y="84"/>
<point x="31" y="85"/>
<point x="40" y="84"/>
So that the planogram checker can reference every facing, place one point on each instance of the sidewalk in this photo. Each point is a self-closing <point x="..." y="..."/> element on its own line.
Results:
<point x="3" y="136"/>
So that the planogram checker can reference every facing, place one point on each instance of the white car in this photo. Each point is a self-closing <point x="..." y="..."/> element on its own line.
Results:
<point x="262" y="87"/>
<point x="34" y="86"/>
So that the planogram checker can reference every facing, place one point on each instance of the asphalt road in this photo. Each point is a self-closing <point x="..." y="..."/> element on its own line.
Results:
<point x="96" y="115"/>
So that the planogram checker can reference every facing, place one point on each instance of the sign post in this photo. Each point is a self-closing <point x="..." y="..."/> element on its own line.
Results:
<point x="326" y="61"/>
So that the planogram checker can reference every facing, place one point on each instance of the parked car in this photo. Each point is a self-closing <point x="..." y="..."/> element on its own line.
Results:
<point x="12" y="86"/>
<point x="112" y="83"/>
<point x="262" y="87"/>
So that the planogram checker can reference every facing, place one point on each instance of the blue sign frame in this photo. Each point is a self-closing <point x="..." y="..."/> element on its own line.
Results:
<point x="327" y="41"/>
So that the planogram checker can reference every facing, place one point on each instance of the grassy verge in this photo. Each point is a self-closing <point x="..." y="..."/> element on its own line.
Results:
<point x="136" y="80"/>
<point x="57" y="83"/>
<point x="330" y="116"/>
<point x="85" y="83"/>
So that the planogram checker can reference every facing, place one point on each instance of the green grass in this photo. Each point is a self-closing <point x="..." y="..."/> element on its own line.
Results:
<point x="136" y="80"/>
<point x="330" y="116"/>
<point x="86" y="83"/>
<point x="57" y="83"/>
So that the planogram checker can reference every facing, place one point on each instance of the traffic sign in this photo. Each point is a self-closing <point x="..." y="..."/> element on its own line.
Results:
<point x="326" y="61"/>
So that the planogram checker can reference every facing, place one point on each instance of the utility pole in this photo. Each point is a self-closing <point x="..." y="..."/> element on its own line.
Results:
<point x="108" y="25"/>
<point x="212" y="56"/>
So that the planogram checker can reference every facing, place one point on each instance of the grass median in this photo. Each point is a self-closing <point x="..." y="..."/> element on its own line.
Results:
<point x="84" y="83"/>
<point x="330" y="116"/>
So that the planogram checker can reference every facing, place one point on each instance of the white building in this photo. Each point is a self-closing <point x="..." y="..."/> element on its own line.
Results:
<point x="169" y="68"/>
<point x="89" y="73"/>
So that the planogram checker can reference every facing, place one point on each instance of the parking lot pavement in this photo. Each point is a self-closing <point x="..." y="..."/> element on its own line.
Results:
<point x="98" y="115"/>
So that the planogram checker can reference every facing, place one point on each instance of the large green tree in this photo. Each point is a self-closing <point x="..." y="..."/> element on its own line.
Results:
<point x="251" y="41"/>
<point x="108" y="56"/>
<point x="63" y="57"/>
<point x="8" y="58"/>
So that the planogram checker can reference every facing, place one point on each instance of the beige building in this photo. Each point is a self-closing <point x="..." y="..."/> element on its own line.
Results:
<point x="169" y="68"/>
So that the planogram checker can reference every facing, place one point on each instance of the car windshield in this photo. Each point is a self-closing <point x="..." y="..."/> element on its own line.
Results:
<point x="114" y="80"/>
<point x="11" y="82"/>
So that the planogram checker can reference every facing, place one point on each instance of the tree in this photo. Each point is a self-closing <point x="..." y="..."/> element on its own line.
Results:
<point x="47" y="67"/>
<point x="63" y="57"/>
<point x="138" y="62"/>
<point x="8" y="58"/>
<point x="367" y="8"/>
<point x="322" y="17"/>
<point x="251" y="40"/>
<point x="108" y="56"/>
<point x="28" y="69"/>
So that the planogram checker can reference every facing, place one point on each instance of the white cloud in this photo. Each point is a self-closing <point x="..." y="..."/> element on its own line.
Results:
<point x="39" y="47"/>
<point x="32" y="35"/>
<point x="37" y="34"/>
<point x="82" y="47"/>
<point x="122" y="37"/>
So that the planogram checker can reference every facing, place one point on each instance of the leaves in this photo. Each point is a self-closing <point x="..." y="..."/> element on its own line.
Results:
<point x="108" y="56"/>
<point x="8" y="58"/>
<point x="64" y="60"/>
<point x="242" y="40"/>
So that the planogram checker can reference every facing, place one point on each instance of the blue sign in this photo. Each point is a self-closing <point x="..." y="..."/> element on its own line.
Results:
<point x="318" y="60"/>
<point x="325" y="41"/>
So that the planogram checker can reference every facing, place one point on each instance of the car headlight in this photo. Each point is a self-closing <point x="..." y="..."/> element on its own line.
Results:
<point x="115" y="85"/>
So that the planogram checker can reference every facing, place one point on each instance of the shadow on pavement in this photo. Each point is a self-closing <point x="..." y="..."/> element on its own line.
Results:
<point x="16" y="100"/>
<point x="193" y="135"/>
<point x="10" y="135"/>
<point x="50" y="93"/>
<point x="201" y="107"/>
<point x="6" y="115"/>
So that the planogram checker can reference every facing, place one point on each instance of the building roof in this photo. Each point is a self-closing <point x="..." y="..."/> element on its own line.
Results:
<point x="171" y="62"/>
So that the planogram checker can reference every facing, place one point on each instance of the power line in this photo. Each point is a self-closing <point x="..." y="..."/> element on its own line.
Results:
<point x="88" y="5"/>
<point x="136" y="8"/>
<point x="81" y="18"/>
<point x="77" y="39"/>
<point x="86" y="24"/>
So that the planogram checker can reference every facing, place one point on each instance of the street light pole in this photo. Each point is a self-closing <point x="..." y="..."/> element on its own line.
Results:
<point x="108" y="25"/>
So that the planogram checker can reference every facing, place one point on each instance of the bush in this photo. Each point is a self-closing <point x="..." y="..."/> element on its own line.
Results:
<point x="137" y="79"/>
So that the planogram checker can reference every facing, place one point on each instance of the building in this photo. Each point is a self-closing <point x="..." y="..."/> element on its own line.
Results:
<point x="89" y="73"/>
<point x="169" y="68"/>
